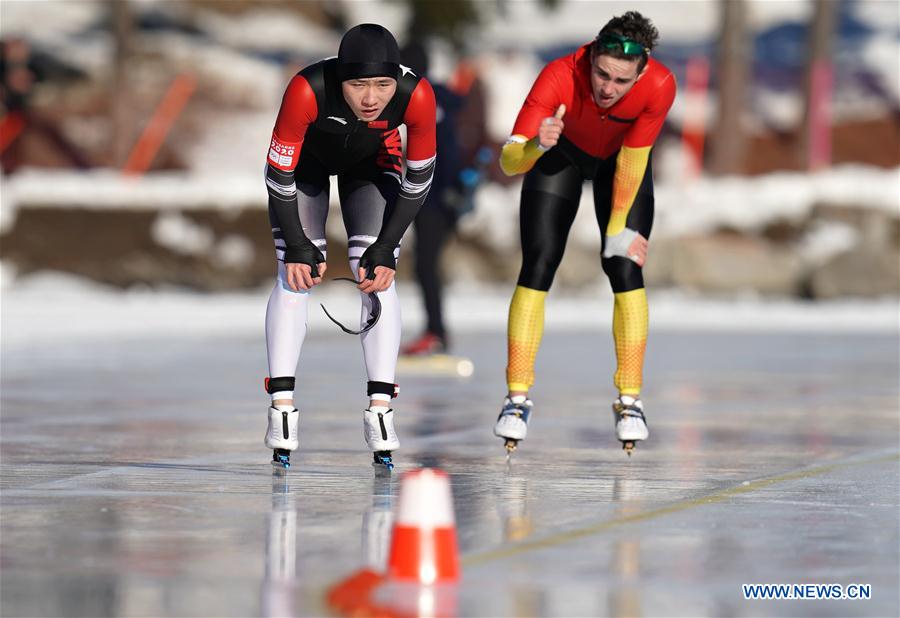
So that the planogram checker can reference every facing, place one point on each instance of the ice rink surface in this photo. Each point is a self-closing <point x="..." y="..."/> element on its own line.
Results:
<point x="135" y="482"/>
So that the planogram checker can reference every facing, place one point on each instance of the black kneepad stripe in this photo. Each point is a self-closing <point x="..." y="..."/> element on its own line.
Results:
<point x="624" y="275"/>
<point x="383" y="388"/>
<point x="275" y="385"/>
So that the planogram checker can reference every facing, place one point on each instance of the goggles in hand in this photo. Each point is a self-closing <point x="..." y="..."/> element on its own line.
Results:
<point x="374" y="313"/>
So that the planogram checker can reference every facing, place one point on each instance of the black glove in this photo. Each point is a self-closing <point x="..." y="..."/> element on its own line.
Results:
<point x="305" y="253"/>
<point x="378" y="254"/>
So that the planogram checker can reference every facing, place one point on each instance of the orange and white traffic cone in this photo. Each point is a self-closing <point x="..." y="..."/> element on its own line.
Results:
<point x="423" y="562"/>
<point x="423" y="545"/>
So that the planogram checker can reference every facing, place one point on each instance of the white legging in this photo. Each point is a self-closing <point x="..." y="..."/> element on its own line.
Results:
<point x="287" y="320"/>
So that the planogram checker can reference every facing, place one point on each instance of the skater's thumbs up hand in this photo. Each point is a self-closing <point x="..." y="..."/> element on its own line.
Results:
<point x="551" y="128"/>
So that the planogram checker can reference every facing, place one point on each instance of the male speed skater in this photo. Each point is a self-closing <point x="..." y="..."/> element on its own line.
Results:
<point x="592" y="115"/>
<point x="340" y="116"/>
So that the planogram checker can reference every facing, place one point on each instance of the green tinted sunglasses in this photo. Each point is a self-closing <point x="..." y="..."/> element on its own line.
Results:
<point x="628" y="46"/>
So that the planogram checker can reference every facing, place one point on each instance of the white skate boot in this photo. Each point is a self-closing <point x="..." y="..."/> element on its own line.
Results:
<point x="378" y="428"/>
<point x="631" y="426"/>
<point x="512" y="424"/>
<point x="281" y="436"/>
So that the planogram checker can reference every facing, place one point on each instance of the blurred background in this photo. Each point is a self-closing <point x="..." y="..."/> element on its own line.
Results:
<point x="134" y="133"/>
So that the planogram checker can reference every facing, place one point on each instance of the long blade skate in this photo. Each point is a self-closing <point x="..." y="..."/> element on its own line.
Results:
<point x="512" y="423"/>
<point x="631" y="425"/>
<point x="378" y="428"/>
<point x="281" y="435"/>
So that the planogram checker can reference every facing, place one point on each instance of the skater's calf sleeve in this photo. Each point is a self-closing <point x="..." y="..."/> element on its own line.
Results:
<point x="286" y="326"/>
<point x="525" y="329"/>
<point x="630" y="325"/>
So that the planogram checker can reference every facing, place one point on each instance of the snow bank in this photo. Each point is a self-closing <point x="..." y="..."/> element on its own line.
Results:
<point x="738" y="202"/>
<point x="747" y="203"/>
<point x="53" y="309"/>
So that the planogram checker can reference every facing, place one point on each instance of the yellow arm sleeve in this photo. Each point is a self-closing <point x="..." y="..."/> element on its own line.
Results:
<point x="519" y="155"/>
<point x="631" y="165"/>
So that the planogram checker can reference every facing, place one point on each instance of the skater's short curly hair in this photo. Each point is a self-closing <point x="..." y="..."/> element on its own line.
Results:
<point x="631" y="25"/>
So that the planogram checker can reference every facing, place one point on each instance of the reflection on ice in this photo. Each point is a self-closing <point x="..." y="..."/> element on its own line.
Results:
<point x="512" y="503"/>
<point x="378" y="520"/>
<point x="279" y="585"/>
<point x="758" y="470"/>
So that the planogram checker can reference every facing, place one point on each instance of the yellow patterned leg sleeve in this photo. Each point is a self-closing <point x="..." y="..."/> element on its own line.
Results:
<point x="524" y="331"/>
<point x="630" y="319"/>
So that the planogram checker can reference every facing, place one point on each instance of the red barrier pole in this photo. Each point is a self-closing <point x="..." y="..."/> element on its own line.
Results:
<point x="693" y="131"/>
<point x="820" y="115"/>
<point x="154" y="134"/>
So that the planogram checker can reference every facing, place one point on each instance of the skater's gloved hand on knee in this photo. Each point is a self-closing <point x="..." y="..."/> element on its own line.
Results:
<point x="637" y="251"/>
<point x="377" y="267"/>
<point x="629" y="244"/>
<point x="304" y="265"/>
<point x="301" y="276"/>
<point x="384" y="277"/>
